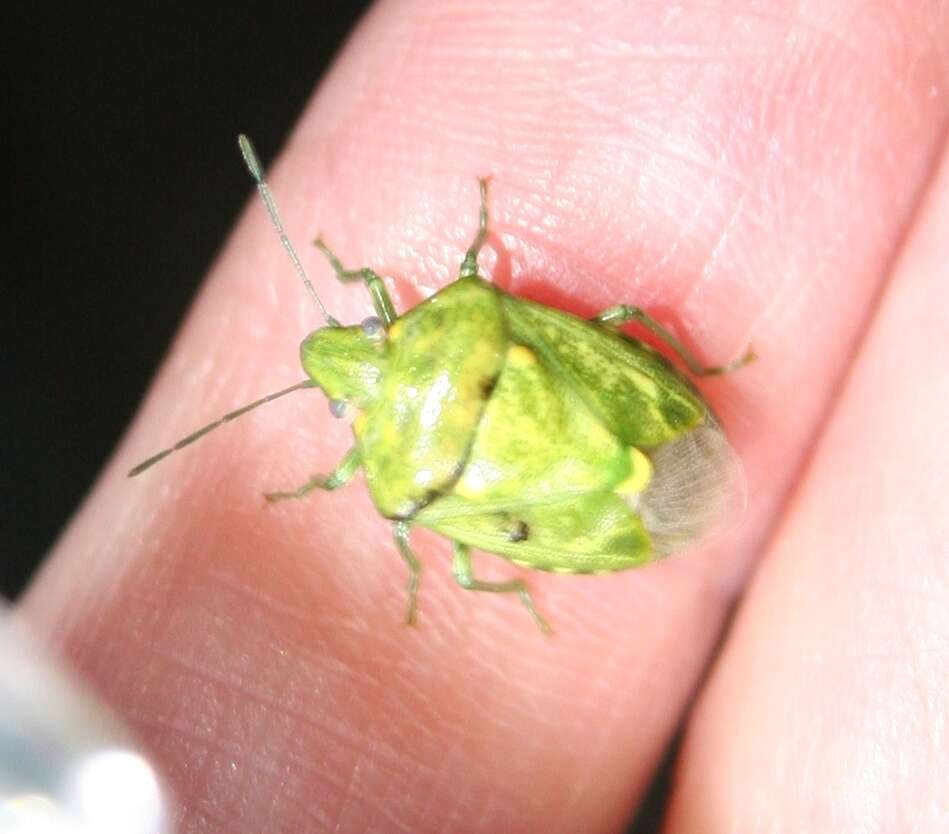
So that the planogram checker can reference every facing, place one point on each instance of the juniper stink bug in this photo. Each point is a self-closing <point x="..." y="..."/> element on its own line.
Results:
<point x="506" y="425"/>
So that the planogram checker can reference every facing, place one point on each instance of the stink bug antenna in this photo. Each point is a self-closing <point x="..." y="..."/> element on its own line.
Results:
<point x="232" y="415"/>
<point x="257" y="172"/>
<point x="252" y="161"/>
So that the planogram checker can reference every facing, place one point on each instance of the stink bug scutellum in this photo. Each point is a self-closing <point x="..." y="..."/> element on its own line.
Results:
<point x="556" y="442"/>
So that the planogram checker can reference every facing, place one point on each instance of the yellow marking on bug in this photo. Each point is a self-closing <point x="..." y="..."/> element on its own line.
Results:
<point x="359" y="424"/>
<point x="395" y="331"/>
<point x="643" y="383"/>
<point x="521" y="357"/>
<point x="640" y="473"/>
<point x="591" y="358"/>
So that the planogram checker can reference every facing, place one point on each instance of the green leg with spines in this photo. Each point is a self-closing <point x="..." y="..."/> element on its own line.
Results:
<point x="401" y="532"/>
<point x="339" y="477"/>
<point x="469" y="266"/>
<point x="377" y="289"/>
<point x="620" y="314"/>
<point x="464" y="576"/>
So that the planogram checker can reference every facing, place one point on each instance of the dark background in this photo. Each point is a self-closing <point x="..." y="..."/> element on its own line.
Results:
<point x="122" y="180"/>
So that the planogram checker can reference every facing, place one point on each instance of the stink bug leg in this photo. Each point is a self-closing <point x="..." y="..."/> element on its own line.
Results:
<point x="620" y="314"/>
<point x="377" y="290"/>
<point x="464" y="576"/>
<point x="401" y="532"/>
<point x="339" y="477"/>
<point x="469" y="266"/>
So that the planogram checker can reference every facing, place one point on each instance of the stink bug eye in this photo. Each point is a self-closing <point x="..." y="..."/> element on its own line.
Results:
<point x="337" y="408"/>
<point x="372" y="327"/>
<point x="509" y="426"/>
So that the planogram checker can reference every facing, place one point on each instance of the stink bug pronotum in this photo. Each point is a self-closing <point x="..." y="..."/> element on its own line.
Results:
<point x="556" y="442"/>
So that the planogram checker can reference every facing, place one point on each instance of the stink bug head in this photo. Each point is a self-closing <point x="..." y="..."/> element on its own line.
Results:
<point x="348" y="363"/>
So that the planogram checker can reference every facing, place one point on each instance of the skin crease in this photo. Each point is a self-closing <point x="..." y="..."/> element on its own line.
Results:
<point x="745" y="171"/>
<point x="841" y="638"/>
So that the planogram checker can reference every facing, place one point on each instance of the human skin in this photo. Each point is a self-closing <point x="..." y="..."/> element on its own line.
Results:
<point x="749" y="173"/>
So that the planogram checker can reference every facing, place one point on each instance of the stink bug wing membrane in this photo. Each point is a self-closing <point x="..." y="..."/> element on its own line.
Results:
<point x="698" y="486"/>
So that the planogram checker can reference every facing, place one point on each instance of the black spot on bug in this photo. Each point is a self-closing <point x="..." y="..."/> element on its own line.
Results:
<point x="488" y="384"/>
<point x="409" y="511"/>
<point x="519" y="531"/>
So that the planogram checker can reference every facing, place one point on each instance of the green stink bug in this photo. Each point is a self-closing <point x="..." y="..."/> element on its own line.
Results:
<point x="502" y="424"/>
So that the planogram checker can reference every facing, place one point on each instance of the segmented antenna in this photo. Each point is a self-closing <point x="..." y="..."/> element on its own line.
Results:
<point x="232" y="415"/>
<point x="252" y="162"/>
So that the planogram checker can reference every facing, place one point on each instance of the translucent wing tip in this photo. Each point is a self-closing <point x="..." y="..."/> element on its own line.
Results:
<point x="697" y="481"/>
